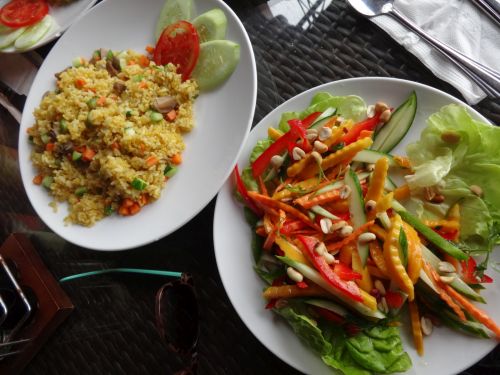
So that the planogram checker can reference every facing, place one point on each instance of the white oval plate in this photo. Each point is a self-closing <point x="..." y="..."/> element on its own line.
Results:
<point x="446" y="351"/>
<point x="223" y="118"/>
<point x="63" y="16"/>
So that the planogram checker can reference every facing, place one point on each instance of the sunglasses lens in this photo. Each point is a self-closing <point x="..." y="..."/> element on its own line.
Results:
<point x="178" y="316"/>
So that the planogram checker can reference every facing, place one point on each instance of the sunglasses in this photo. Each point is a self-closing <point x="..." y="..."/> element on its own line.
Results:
<point x="176" y="313"/>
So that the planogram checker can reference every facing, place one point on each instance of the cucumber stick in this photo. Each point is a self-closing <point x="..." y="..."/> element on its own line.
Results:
<point x="428" y="233"/>
<point x="315" y="277"/>
<point x="34" y="33"/>
<point x="328" y="305"/>
<point x="458" y="284"/>
<point x="372" y="156"/>
<point x="357" y="210"/>
<point x="400" y="122"/>
<point x="323" y="118"/>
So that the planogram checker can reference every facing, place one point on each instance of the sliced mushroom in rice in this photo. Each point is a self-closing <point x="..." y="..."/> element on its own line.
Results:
<point x="119" y="87"/>
<point x="165" y="104"/>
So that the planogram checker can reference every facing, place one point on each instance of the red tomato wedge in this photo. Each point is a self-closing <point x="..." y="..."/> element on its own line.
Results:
<point x="20" y="13"/>
<point x="179" y="44"/>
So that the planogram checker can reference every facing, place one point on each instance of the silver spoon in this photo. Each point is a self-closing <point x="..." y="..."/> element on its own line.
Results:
<point x="484" y="77"/>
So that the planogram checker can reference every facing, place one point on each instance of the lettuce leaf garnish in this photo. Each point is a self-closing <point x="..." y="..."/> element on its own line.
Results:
<point x="457" y="151"/>
<point x="374" y="350"/>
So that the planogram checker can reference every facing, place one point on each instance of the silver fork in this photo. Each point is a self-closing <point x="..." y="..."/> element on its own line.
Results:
<point x="487" y="79"/>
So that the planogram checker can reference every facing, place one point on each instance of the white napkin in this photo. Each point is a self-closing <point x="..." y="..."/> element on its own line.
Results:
<point x="458" y="23"/>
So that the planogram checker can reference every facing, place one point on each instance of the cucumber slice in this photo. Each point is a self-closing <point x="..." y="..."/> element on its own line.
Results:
<point x="323" y="118"/>
<point x="315" y="277"/>
<point x="357" y="210"/>
<point x="34" y="33"/>
<point x="428" y="233"/>
<point x="391" y="133"/>
<point x="9" y="36"/>
<point x="217" y="61"/>
<point x="372" y="156"/>
<point x="328" y="305"/>
<point x="173" y="11"/>
<point x="211" y="25"/>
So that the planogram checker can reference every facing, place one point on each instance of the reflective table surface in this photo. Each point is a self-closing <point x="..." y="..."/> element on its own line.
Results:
<point x="298" y="44"/>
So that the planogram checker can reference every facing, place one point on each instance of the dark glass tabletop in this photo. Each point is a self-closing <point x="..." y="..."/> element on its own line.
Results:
<point x="298" y="44"/>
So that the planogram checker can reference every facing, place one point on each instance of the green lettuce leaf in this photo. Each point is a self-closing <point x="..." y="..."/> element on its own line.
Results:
<point x="376" y="349"/>
<point x="457" y="151"/>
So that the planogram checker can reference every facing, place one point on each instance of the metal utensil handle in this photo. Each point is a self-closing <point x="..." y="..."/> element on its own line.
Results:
<point x="486" y="75"/>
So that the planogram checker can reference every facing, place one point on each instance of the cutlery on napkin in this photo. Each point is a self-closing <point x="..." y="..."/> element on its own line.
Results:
<point x="458" y="23"/>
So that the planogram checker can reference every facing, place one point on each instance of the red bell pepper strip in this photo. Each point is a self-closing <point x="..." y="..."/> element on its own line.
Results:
<point x="353" y="134"/>
<point x="300" y="133"/>
<point x="283" y="142"/>
<point x="449" y="235"/>
<point x="240" y="186"/>
<point x="291" y="226"/>
<point x="347" y="288"/>
<point x="346" y="273"/>
<point x="469" y="275"/>
<point x="394" y="299"/>
<point x="276" y="148"/>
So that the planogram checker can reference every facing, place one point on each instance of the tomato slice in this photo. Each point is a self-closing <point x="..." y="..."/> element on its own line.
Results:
<point x="20" y="13"/>
<point x="179" y="44"/>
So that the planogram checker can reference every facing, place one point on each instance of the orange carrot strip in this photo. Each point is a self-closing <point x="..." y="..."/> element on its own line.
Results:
<point x="134" y="209"/>
<point x="309" y="201"/>
<point x="262" y="186"/>
<point x="124" y="211"/>
<point x="80" y="83"/>
<point x="177" y="159"/>
<point x="37" y="180"/>
<point x="143" y="84"/>
<point x="50" y="147"/>
<point x="127" y="202"/>
<point x="418" y="339"/>
<point x="267" y="201"/>
<point x="101" y="101"/>
<point x="151" y="160"/>
<point x="340" y="244"/>
<point x="171" y="115"/>
<point x="440" y="286"/>
<point x="150" y="49"/>
<point x="88" y="154"/>
<point x="476" y="312"/>
<point x="143" y="61"/>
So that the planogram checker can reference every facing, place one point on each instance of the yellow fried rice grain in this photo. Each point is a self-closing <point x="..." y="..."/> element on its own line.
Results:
<point x="119" y="128"/>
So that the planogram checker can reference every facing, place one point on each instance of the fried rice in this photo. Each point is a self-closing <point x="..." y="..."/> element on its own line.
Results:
<point x="111" y="134"/>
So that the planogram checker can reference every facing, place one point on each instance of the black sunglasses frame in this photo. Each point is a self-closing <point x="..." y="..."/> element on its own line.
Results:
<point x="190" y="351"/>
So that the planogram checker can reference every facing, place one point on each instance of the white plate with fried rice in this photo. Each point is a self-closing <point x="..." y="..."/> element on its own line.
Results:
<point x="222" y="120"/>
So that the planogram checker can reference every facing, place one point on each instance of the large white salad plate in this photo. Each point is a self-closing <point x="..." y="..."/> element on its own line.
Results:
<point x="222" y="122"/>
<point x="446" y="351"/>
<point x="63" y="15"/>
